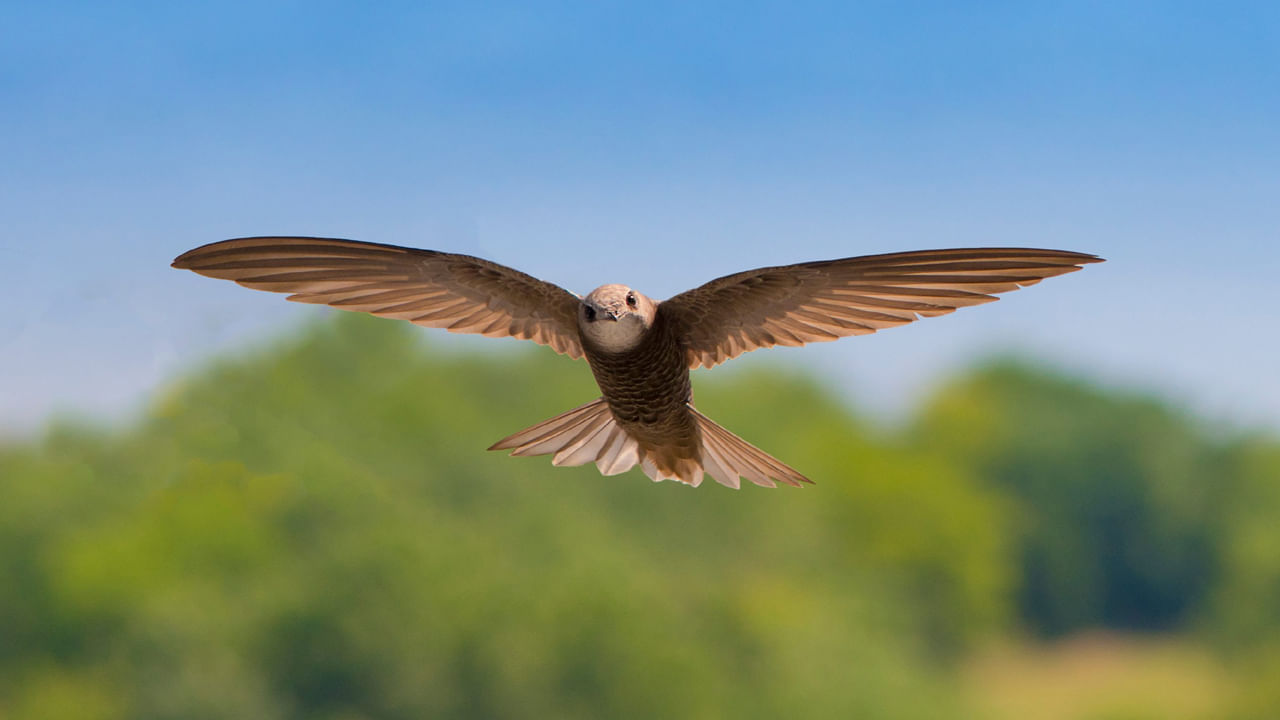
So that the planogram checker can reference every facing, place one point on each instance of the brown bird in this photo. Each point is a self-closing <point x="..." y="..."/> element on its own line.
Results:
<point x="640" y="350"/>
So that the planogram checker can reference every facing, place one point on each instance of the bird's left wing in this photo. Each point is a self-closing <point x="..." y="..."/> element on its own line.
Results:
<point x="820" y="301"/>
<point x="457" y="292"/>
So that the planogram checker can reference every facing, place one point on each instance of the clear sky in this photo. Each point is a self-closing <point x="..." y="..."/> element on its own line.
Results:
<point x="658" y="144"/>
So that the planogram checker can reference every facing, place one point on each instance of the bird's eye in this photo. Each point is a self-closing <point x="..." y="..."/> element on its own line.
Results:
<point x="589" y="311"/>
<point x="631" y="299"/>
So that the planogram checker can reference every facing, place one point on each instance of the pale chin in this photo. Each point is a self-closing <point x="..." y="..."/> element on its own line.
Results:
<point x="615" y="336"/>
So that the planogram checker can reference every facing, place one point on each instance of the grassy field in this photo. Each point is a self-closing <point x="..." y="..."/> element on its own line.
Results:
<point x="1100" y="676"/>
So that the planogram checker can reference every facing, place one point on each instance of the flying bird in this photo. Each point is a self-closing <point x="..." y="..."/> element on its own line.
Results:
<point x="640" y="350"/>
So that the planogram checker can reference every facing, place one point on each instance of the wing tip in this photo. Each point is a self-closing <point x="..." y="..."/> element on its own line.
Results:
<point x="189" y="259"/>
<point x="183" y="261"/>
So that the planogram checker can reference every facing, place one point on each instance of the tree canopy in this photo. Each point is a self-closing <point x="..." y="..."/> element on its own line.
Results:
<point x="315" y="530"/>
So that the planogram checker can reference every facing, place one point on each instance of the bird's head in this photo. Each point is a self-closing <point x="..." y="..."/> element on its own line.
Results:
<point x="615" y="317"/>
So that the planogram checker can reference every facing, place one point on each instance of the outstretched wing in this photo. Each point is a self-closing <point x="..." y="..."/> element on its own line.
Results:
<point x="821" y="301"/>
<point x="459" y="293"/>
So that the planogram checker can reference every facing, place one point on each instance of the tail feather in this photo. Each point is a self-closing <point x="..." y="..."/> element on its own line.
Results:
<point x="589" y="433"/>
<point x="585" y="447"/>
<point x="549" y="435"/>
<point x="726" y="456"/>
<point x="619" y="455"/>
<point x="584" y="434"/>
<point x="659" y="467"/>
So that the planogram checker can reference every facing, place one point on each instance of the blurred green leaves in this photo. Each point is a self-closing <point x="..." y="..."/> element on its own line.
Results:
<point x="1115" y="495"/>
<point x="315" y="530"/>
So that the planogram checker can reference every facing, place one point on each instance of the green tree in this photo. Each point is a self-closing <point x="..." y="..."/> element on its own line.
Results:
<point x="314" y="530"/>
<point x="1116" y="495"/>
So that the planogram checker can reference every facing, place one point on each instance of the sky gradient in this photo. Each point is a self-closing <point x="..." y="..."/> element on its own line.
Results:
<point x="587" y="143"/>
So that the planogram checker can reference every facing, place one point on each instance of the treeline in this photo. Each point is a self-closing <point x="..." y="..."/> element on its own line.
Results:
<point x="315" y="531"/>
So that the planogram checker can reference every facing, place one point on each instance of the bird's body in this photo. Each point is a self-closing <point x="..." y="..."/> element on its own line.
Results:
<point x="647" y="387"/>
<point x="640" y="350"/>
<point x="649" y="394"/>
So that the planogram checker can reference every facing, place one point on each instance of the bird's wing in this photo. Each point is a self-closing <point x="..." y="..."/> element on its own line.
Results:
<point x="456" y="292"/>
<point x="820" y="301"/>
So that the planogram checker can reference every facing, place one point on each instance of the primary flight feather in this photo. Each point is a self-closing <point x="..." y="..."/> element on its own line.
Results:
<point x="640" y="350"/>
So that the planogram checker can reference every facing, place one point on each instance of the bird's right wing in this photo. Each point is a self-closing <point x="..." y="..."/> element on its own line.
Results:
<point x="457" y="292"/>
<point x="820" y="301"/>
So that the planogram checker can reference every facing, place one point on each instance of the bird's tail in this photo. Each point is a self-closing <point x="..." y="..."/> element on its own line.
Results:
<point x="585" y="434"/>
<point x="589" y="434"/>
<point x="726" y="456"/>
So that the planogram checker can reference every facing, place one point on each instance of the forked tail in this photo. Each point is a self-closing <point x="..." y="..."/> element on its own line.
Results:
<point x="589" y="433"/>
<point x="726" y="456"/>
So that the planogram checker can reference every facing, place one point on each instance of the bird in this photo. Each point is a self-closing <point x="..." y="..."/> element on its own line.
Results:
<point x="640" y="350"/>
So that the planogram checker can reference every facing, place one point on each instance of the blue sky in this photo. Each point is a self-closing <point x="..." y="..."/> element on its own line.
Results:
<point x="591" y="142"/>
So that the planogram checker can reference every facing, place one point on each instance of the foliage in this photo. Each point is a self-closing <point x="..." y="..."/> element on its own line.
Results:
<point x="1116" y="495"/>
<point x="314" y="530"/>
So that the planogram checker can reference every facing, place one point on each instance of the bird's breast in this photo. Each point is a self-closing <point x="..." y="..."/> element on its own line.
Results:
<point x="646" y="385"/>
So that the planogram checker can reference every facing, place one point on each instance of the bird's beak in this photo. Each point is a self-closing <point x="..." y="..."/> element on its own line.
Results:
<point x="613" y="314"/>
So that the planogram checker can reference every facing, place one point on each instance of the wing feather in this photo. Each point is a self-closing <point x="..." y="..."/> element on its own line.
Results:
<point x="821" y="301"/>
<point x="457" y="292"/>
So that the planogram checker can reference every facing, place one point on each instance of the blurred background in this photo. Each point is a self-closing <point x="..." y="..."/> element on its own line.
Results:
<point x="219" y="504"/>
